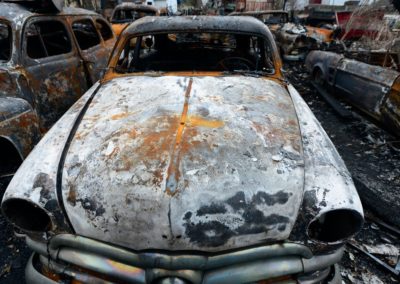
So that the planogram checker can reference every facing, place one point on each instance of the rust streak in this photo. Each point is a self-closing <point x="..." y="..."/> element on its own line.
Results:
<point x="199" y="121"/>
<point x="173" y="169"/>
<point x="120" y="115"/>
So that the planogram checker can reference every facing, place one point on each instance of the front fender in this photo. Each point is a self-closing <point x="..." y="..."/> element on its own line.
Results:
<point x="328" y="186"/>
<point x="19" y="124"/>
<point x="35" y="180"/>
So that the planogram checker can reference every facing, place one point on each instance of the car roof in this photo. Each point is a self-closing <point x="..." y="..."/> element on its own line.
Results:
<point x="236" y="24"/>
<point x="135" y="7"/>
<point x="259" y="12"/>
<point x="19" y="13"/>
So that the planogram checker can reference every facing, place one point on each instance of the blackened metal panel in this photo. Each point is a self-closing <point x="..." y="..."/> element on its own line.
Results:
<point x="364" y="85"/>
<point x="58" y="81"/>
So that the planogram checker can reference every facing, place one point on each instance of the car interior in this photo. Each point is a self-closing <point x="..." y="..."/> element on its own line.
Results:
<point x="196" y="52"/>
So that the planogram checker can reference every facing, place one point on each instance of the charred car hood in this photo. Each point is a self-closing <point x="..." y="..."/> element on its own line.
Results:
<point x="179" y="163"/>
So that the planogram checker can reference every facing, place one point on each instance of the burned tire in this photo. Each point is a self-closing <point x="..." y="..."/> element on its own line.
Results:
<point x="318" y="77"/>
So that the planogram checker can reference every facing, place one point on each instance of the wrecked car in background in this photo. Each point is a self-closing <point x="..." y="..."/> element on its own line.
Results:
<point x="294" y="40"/>
<point x="126" y="13"/>
<point x="374" y="90"/>
<point x="274" y="19"/>
<point x="225" y="176"/>
<point x="47" y="61"/>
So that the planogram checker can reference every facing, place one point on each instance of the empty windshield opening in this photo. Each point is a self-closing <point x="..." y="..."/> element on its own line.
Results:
<point x="196" y="52"/>
<point x="127" y="15"/>
<point x="5" y="42"/>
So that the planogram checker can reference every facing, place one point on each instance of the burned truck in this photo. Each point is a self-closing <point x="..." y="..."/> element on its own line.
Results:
<point x="373" y="90"/>
<point x="48" y="59"/>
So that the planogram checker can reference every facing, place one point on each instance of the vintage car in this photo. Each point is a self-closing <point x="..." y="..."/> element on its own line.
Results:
<point x="47" y="61"/>
<point x="126" y="13"/>
<point x="372" y="89"/>
<point x="191" y="161"/>
<point x="294" y="40"/>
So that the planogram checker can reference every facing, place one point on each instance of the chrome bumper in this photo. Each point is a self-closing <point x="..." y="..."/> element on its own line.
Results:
<point x="70" y="255"/>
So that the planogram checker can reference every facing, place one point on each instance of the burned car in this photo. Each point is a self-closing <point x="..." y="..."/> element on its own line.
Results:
<point x="374" y="90"/>
<point x="191" y="161"/>
<point x="294" y="40"/>
<point x="47" y="61"/>
<point x="274" y="19"/>
<point x="126" y="13"/>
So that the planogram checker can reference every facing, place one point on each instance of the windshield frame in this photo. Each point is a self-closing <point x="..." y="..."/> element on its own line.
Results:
<point x="120" y="45"/>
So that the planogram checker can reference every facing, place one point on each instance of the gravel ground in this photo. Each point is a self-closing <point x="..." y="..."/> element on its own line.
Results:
<point x="372" y="158"/>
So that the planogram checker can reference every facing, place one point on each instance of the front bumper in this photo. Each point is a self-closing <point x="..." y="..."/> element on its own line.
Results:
<point x="69" y="257"/>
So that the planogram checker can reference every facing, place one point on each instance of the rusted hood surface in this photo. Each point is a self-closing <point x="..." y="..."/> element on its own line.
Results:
<point x="179" y="163"/>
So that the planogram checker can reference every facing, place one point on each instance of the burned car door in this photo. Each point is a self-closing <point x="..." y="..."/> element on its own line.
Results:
<point x="91" y="46"/>
<point x="366" y="86"/>
<point x="107" y="36"/>
<point x="53" y="67"/>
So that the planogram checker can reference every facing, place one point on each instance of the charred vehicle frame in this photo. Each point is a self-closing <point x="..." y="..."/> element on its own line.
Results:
<point x="225" y="176"/>
<point x="44" y="69"/>
<point x="374" y="90"/>
<point x="294" y="40"/>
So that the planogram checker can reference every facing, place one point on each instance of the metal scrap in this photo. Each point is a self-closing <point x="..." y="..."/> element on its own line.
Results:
<point x="377" y="260"/>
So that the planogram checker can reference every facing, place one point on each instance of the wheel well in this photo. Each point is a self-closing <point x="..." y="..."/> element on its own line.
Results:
<point x="315" y="70"/>
<point x="10" y="157"/>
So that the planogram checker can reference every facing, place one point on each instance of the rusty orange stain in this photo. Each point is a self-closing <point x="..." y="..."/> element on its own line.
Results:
<point x="325" y="34"/>
<point x="117" y="266"/>
<point x="277" y="77"/>
<point x="114" y="151"/>
<point x="72" y="194"/>
<point x="120" y="115"/>
<point x="25" y="121"/>
<point x="156" y="143"/>
<point x="132" y="133"/>
<point x="200" y="121"/>
<point x="117" y="28"/>
<point x="173" y="169"/>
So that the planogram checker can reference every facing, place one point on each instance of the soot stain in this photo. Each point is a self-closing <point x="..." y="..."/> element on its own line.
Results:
<point x="211" y="233"/>
<point x="46" y="185"/>
<point x="211" y="209"/>
<point x="215" y="233"/>
<point x="93" y="206"/>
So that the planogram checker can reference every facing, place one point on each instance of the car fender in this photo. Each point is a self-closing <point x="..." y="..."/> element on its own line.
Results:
<point x="328" y="185"/>
<point x="19" y="124"/>
<point x="35" y="180"/>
